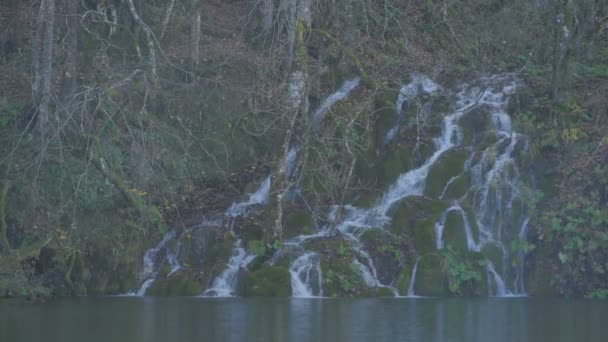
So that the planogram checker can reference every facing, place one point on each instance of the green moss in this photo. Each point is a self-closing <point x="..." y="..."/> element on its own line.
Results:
<point x="297" y="223"/>
<point x="396" y="162"/>
<point x="539" y="278"/>
<point x="449" y="165"/>
<point x="181" y="283"/>
<point x="404" y="278"/>
<point x="407" y="214"/>
<point x="251" y="232"/>
<point x="424" y="236"/>
<point x="366" y="198"/>
<point x="453" y="231"/>
<point x="384" y="114"/>
<point x="273" y="281"/>
<point x="207" y="251"/>
<point x="430" y="279"/>
<point x="493" y="253"/>
<point x="457" y="188"/>
<point x="474" y="123"/>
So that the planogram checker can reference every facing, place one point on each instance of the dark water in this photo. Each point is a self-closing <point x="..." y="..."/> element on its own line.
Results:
<point x="196" y="319"/>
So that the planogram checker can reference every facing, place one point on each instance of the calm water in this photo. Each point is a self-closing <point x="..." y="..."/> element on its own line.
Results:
<point x="196" y="319"/>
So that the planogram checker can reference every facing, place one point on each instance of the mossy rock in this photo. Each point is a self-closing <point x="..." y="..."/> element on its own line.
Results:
<point x="408" y="213"/>
<point x="250" y="232"/>
<point x="341" y="278"/>
<point x="474" y="124"/>
<point x="453" y="231"/>
<point x="449" y="165"/>
<point x="181" y="283"/>
<point x="385" y="114"/>
<point x="297" y="223"/>
<point x="396" y="162"/>
<point x="387" y="251"/>
<point x="539" y="274"/>
<point x="206" y="251"/>
<point x="405" y="276"/>
<point x="366" y="198"/>
<point x="494" y="254"/>
<point x="272" y="281"/>
<point x="430" y="279"/>
<point x="424" y="236"/>
<point x="457" y="188"/>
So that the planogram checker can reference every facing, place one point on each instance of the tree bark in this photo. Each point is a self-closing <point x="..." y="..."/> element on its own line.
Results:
<point x="297" y="98"/>
<point x="10" y="39"/>
<point x="562" y="36"/>
<point x="42" y="61"/>
<point x="196" y="37"/>
<point x="267" y="15"/>
<point x="70" y="51"/>
<point x="149" y="39"/>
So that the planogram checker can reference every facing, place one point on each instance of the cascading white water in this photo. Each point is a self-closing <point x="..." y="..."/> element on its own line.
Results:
<point x="440" y="226"/>
<point x="411" y="290"/>
<point x="225" y="285"/>
<point x="260" y="196"/>
<point x="495" y="187"/>
<point x="306" y="276"/>
<point x="342" y="93"/>
<point x="152" y="262"/>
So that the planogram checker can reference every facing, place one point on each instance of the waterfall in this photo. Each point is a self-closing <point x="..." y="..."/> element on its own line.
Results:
<point x="493" y="200"/>
<point x="411" y="290"/>
<point x="306" y="276"/>
<point x="225" y="285"/>
<point x="495" y="187"/>
<point x="260" y="196"/>
<point x="440" y="226"/>
<point x="493" y="277"/>
<point x="342" y="93"/>
<point x="153" y="260"/>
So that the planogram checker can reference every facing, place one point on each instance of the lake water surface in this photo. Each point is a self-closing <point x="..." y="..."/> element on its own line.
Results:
<point x="236" y="319"/>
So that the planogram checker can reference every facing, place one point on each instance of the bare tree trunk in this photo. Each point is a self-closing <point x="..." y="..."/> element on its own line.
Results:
<point x="291" y="30"/>
<point x="36" y="51"/>
<point x="70" y="51"/>
<point x="196" y="37"/>
<point x="42" y="61"/>
<point x="562" y="36"/>
<point x="267" y="15"/>
<point x="10" y="38"/>
<point x="297" y="98"/>
<point x="167" y="18"/>
<point x="149" y="38"/>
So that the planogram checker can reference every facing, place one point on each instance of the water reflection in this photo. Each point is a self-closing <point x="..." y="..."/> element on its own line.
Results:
<point x="233" y="319"/>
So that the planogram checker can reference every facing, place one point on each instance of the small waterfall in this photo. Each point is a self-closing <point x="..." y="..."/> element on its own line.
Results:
<point x="260" y="196"/>
<point x="366" y="273"/>
<point x="411" y="290"/>
<point x="225" y="284"/>
<point x="496" y="279"/>
<point x="288" y="164"/>
<point x="440" y="226"/>
<point x="152" y="261"/>
<point x="519" y="282"/>
<point x="306" y="276"/>
<point x="342" y="93"/>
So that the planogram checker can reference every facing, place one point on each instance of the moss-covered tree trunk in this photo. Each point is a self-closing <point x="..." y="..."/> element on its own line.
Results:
<point x="297" y="102"/>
